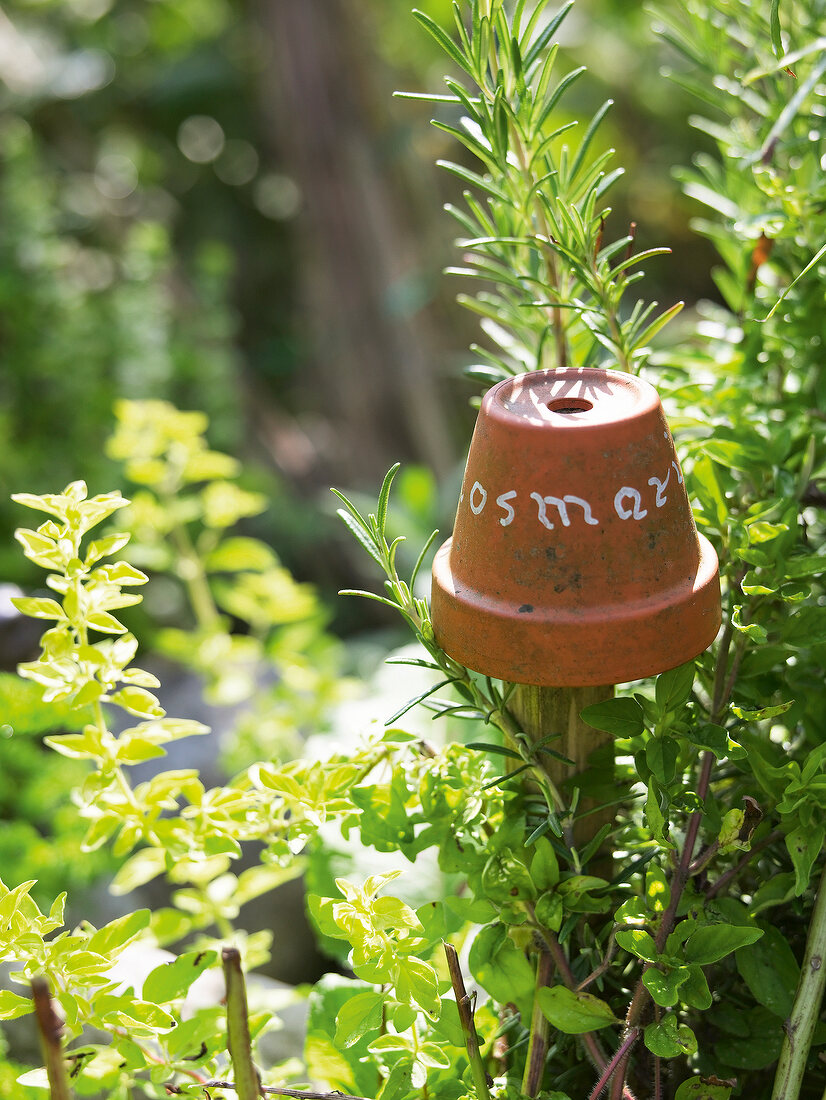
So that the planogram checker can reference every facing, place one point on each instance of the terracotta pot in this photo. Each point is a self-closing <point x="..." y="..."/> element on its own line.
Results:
<point x="574" y="559"/>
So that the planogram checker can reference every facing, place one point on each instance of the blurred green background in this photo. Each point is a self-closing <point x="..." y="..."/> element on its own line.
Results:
<point x="221" y="204"/>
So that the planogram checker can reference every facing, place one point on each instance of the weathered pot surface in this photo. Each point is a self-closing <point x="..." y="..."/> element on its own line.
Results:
<point x="574" y="558"/>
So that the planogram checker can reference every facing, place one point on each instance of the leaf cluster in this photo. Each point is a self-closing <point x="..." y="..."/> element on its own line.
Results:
<point x="251" y="621"/>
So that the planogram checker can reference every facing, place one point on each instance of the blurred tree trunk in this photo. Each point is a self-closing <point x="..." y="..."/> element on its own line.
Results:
<point x="371" y="379"/>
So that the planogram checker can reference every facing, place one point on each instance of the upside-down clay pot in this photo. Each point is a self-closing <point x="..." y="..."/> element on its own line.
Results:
<point x="574" y="559"/>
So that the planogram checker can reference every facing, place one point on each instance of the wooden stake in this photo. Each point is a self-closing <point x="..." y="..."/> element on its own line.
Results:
<point x="544" y="711"/>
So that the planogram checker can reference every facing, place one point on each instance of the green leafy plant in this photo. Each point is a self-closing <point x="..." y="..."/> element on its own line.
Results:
<point x="256" y="636"/>
<point x="41" y="832"/>
<point x="175" y="823"/>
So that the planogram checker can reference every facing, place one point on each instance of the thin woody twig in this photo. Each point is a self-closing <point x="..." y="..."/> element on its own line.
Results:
<point x="464" y="1005"/>
<point x="605" y="965"/>
<point x="247" y="1077"/>
<point x="50" y="1028"/>
<point x="298" y="1094"/>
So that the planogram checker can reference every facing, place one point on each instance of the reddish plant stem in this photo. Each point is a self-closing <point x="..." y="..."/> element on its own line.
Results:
<point x="723" y="679"/>
<point x="658" y="1079"/>
<point x="739" y="654"/>
<point x="704" y="858"/>
<point x="719" y="689"/>
<point x="608" y="1072"/>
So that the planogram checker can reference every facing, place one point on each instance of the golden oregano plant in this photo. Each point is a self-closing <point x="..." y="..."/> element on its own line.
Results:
<point x="694" y="971"/>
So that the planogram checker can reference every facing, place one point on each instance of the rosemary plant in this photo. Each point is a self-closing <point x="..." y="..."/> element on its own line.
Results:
<point x="554" y="291"/>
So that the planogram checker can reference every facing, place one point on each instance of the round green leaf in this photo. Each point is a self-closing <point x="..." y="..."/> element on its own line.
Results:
<point x="664" y="987"/>
<point x="696" y="1088"/>
<point x="669" y="1038"/>
<point x="638" y="942"/>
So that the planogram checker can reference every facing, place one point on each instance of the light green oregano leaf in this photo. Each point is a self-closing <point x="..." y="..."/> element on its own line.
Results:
<point x="694" y="991"/>
<point x="661" y="755"/>
<point x="417" y="983"/>
<point x="655" y="817"/>
<point x="762" y="713"/>
<point x="499" y="966"/>
<point x="804" y="846"/>
<point x="172" y="980"/>
<point x="638" y="942"/>
<point x="657" y="890"/>
<point x="399" y="1082"/>
<point x="13" y="1005"/>
<point x="119" y="932"/>
<point x="143" y="866"/>
<point x="673" y="688"/>
<point x="754" y="631"/>
<point x="771" y="971"/>
<point x="705" y="483"/>
<point x="37" y="607"/>
<point x="358" y="1017"/>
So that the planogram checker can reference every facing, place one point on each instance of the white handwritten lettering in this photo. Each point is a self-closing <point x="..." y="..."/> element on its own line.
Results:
<point x="477" y="507"/>
<point x="543" y="516"/>
<point x="561" y="505"/>
<point x="636" y="510"/>
<point x="586" y="508"/>
<point x="502" y="501"/>
<point x="630" y="503"/>
<point x="661" y="486"/>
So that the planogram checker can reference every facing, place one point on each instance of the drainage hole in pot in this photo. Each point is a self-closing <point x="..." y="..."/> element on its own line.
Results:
<point x="569" y="405"/>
